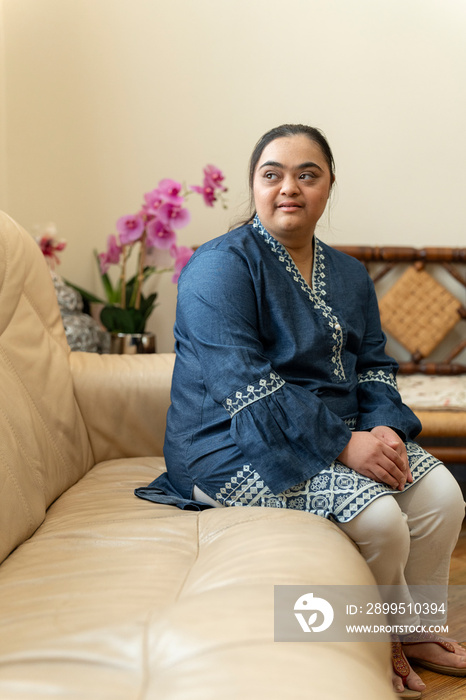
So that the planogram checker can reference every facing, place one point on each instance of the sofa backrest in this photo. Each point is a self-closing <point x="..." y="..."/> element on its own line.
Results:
<point x="44" y="446"/>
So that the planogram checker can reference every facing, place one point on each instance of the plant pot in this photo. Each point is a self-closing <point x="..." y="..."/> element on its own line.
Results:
<point x="132" y="343"/>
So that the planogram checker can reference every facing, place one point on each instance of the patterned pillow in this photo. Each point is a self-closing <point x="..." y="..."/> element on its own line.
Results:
<point x="433" y="393"/>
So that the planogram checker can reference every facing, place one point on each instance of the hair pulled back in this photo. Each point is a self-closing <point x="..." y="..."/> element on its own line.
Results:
<point x="285" y="130"/>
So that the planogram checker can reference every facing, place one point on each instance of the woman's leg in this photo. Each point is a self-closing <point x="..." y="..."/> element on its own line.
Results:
<point x="407" y="539"/>
<point x="435" y="514"/>
<point x="382" y="534"/>
<point x="435" y="511"/>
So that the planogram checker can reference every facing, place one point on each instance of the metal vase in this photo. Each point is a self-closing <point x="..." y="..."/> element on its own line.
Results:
<point x="132" y="343"/>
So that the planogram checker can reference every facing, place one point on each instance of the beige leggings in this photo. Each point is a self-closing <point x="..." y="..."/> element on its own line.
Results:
<point x="408" y="539"/>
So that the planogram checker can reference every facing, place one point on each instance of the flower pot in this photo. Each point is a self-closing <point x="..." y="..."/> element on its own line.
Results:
<point x="132" y="343"/>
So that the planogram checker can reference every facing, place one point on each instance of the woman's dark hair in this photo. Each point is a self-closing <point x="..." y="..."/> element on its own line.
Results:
<point x="279" y="132"/>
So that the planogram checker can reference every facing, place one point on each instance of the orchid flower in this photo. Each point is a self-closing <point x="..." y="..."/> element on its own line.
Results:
<point x="154" y="201"/>
<point x="170" y="190"/>
<point x="213" y="177"/>
<point x="207" y="192"/>
<point x="159" y="235"/>
<point x="152" y="229"/>
<point x="173" y="215"/>
<point x="111" y="256"/>
<point x="130" y="228"/>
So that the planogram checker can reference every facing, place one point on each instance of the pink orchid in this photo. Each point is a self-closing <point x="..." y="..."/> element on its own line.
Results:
<point x="207" y="192"/>
<point x="150" y="232"/>
<point x="170" y="191"/>
<point x="130" y="228"/>
<point x="154" y="201"/>
<point x="214" y="178"/>
<point x="111" y="255"/>
<point x="173" y="215"/>
<point x="104" y="263"/>
<point x="159" y="235"/>
<point x="113" y="250"/>
<point x="181" y="255"/>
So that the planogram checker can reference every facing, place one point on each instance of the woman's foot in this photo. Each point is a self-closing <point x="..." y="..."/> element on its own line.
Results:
<point x="442" y="655"/>
<point x="410" y="686"/>
<point x="406" y="683"/>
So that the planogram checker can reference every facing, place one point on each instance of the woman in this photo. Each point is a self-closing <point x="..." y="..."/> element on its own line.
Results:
<point x="283" y="395"/>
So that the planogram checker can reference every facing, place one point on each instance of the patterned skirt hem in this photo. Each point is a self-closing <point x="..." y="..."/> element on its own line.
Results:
<point x="337" y="492"/>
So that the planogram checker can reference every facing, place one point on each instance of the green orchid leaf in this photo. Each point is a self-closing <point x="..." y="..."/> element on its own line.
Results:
<point x="112" y="293"/>
<point x="148" y="304"/>
<point x="118" y="320"/>
<point x="87" y="296"/>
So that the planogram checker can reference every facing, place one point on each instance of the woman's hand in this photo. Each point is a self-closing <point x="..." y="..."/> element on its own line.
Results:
<point x="392" y="439"/>
<point x="379" y="455"/>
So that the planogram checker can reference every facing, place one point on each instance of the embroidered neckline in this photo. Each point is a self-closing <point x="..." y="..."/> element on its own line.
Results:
<point x="316" y="294"/>
<point x="318" y="274"/>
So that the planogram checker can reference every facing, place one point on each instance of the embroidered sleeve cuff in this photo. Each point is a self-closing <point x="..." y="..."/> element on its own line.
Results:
<point x="381" y="375"/>
<point x="252" y="393"/>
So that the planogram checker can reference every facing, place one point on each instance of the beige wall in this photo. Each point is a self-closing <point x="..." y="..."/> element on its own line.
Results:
<point x="102" y="98"/>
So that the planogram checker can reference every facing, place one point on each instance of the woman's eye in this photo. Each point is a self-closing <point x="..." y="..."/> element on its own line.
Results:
<point x="307" y="176"/>
<point x="270" y="176"/>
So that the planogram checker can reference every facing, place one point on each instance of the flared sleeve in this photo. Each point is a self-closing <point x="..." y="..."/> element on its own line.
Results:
<point x="284" y="430"/>
<point x="378" y="397"/>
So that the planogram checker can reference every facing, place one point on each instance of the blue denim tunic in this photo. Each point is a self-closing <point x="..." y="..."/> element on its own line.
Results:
<point x="271" y="372"/>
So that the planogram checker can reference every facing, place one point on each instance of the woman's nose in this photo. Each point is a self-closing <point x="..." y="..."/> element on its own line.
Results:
<point x="289" y="185"/>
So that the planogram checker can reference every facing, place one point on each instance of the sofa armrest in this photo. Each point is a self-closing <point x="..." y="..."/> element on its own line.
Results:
<point x="124" y="401"/>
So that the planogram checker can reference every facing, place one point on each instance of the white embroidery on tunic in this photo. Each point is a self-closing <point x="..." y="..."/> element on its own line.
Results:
<point x="245" y="488"/>
<point x="316" y="295"/>
<point x="337" y="491"/>
<point x="381" y="375"/>
<point x="252" y="392"/>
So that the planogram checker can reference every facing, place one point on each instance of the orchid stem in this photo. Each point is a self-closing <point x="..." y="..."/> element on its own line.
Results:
<point x="123" y="279"/>
<point x="142" y="251"/>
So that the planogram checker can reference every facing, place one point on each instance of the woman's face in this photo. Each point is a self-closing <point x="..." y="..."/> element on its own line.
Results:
<point x="291" y="186"/>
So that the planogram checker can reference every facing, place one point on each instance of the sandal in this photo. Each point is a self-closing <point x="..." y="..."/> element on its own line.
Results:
<point x="419" y="638"/>
<point x="402" y="669"/>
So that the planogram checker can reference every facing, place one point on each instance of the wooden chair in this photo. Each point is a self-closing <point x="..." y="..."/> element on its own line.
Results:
<point x="422" y="301"/>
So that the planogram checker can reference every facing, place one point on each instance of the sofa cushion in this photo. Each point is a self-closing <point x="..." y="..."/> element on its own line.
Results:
<point x="44" y="447"/>
<point x="423" y="392"/>
<point x="121" y="598"/>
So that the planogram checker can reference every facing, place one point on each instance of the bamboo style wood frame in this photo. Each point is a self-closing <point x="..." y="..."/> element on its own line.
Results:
<point x="420" y="312"/>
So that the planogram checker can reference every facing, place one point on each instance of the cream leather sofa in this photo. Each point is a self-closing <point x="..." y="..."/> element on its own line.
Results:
<point x="105" y="596"/>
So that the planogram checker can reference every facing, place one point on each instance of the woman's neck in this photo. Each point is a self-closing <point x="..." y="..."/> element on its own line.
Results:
<point x="303" y="257"/>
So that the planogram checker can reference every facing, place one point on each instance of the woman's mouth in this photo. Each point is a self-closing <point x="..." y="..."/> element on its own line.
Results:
<point x="289" y="206"/>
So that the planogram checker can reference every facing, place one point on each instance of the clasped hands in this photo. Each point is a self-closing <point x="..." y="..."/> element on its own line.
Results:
<point x="380" y="455"/>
